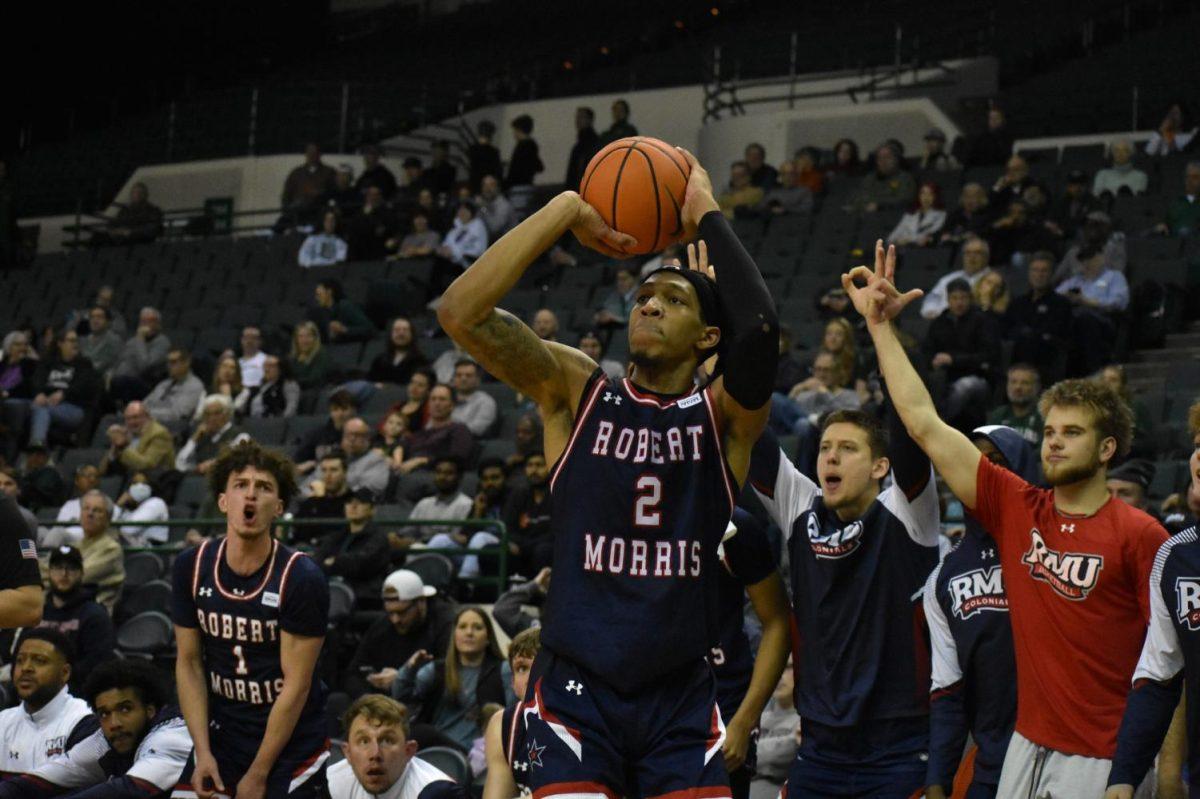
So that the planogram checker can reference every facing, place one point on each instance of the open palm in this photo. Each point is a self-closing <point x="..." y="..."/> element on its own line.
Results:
<point x="878" y="300"/>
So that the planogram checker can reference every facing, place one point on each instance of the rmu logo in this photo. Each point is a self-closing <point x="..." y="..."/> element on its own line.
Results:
<point x="1187" y="601"/>
<point x="834" y="545"/>
<point x="1071" y="574"/>
<point x="976" y="591"/>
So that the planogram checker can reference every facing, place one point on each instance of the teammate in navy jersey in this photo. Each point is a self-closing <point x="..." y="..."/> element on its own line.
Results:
<point x="504" y="741"/>
<point x="250" y="616"/>
<point x="748" y="567"/>
<point x="974" y="683"/>
<point x="859" y="556"/>
<point x="645" y="476"/>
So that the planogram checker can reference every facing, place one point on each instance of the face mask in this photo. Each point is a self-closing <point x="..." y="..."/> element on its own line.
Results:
<point x="140" y="492"/>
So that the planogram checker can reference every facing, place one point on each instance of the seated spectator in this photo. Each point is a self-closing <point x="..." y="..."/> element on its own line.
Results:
<point x="49" y="722"/>
<point x="41" y="484"/>
<point x="414" y="181"/>
<point x="789" y="196"/>
<point x="976" y="255"/>
<point x="528" y="439"/>
<point x="140" y="749"/>
<point x="990" y="295"/>
<point x="72" y="611"/>
<point x="618" y="303"/>
<point x="80" y="318"/>
<point x="10" y="487"/>
<point x="465" y="242"/>
<point x="450" y="503"/>
<point x="1099" y="295"/>
<point x="1012" y="182"/>
<point x="846" y="161"/>
<point x="226" y="381"/>
<point x="1039" y="322"/>
<point x="1122" y="176"/>
<point x="994" y="146"/>
<point x="923" y="222"/>
<point x="591" y="346"/>
<point x="138" y="504"/>
<point x="495" y="210"/>
<point x="1183" y="214"/>
<point x="143" y="359"/>
<point x="344" y="200"/>
<point x="326" y="500"/>
<point x="101" y="345"/>
<point x="400" y="358"/>
<point x="808" y="174"/>
<point x="416" y="401"/>
<point x="492" y="491"/>
<point x="741" y="194"/>
<point x="1174" y="133"/>
<point x="358" y="551"/>
<point x="972" y="217"/>
<point x="304" y="188"/>
<point x="474" y="408"/>
<point x="66" y="528"/>
<point x="524" y="163"/>
<point x="587" y="144"/>
<point x="963" y="353"/>
<point x="65" y="389"/>
<point x="762" y="174"/>
<point x="252" y="358"/>
<point x="789" y="371"/>
<point x="482" y="156"/>
<point x="1016" y="232"/>
<point x="545" y="324"/>
<point x="175" y="399"/>
<point x="368" y="232"/>
<point x="441" y="437"/>
<point x="214" y="432"/>
<point x="103" y="560"/>
<point x="451" y="693"/>
<point x="327" y="247"/>
<point x="1113" y="375"/>
<point x="421" y="241"/>
<point x="137" y="222"/>
<point x="527" y="517"/>
<point x="375" y="175"/>
<point x="1129" y="483"/>
<point x="799" y="413"/>
<point x="415" y="619"/>
<point x="441" y="174"/>
<point x="338" y="318"/>
<point x="17" y="374"/>
<point x="509" y="610"/>
<point x="1021" y="411"/>
<point x="308" y="361"/>
<point x="279" y="395"/>
<point x="380" y="757"/>
<point x="1071" y="208"/>
<point x="316" y="443"/>
<point x="934" y="157"/>
<point x="838" y="339"/>
<point x="142" y="444"/>
<point x="497" y="755"/>
<point x="389" y="439"/>
<point x="365" y="468"/>
<point x="887" y="187"/>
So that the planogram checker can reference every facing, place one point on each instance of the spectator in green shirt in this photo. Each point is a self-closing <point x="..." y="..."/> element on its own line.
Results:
<point x="1021" y="412"/>
<point x="1183" y="214"/>
<point x="338" y="318"/>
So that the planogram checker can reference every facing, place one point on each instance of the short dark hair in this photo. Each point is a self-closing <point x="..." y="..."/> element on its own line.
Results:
<point x="466" y="362"/>
<point x="334" y="285"/>
<point x="52" y="637"/>
<point x="250" y="453"/>
<point x="107" y="313"/>
<point x="450" y="460"/>
<point x="740" y="163"/>
<point x="182" y="353"/>
<point x="486" y="128"/>
<point x="877" y="437"/>
<point x="489" y="463"/>
<point x="335" y="454"/>
<point x="756" y="146"/>
<point x="588" y="112"/>
<point x="138" y="675"/>
<point x="523" y="123"/>
<point x="959" y="285"/>
<point x="537" y="453"/>
<point x="342" y="398"/>
<point x="1043" y="255"/>
<point x="1022" y="366"/>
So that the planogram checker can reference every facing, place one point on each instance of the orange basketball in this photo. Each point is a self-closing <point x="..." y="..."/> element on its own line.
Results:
<point x="637" y="186"/>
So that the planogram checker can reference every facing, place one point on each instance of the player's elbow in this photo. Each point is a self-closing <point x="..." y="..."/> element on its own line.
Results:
<point x="27" y="609"/>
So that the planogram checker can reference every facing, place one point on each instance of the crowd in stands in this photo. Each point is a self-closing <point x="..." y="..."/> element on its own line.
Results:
<point x="419" y="449"/>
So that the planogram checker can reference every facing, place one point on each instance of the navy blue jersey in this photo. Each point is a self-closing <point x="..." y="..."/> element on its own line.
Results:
<point x="641" y="497"/>
<point x="974" y="674"/>
<point x="516" y="752"/>
<point x="240" y="621"/>
<point x="861" y="651"/>
<point x="746" y="559"/>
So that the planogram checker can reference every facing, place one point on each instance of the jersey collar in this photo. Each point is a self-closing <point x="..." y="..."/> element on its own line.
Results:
<point x="52" y="709"/>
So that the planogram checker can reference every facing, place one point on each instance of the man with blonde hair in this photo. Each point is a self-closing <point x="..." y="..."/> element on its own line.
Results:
<point x="380" y="760"/>
<point x="504" y="741"/>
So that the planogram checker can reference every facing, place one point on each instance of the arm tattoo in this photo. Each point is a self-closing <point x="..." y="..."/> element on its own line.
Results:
<point x="507" y="348"/>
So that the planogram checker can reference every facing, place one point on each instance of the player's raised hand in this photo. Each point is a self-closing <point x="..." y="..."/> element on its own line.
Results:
<point x="698" y="197"/>
<point x="594" y="233"/>
<point x="878" y="300"/>
<point x="206" y="777"/>
<point x="698" y="259"/>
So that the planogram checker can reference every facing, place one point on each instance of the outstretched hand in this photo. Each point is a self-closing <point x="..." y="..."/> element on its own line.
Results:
<point x="594" y="233"/>
<point x="698" y="197"/>
<point x="878" y="301"/>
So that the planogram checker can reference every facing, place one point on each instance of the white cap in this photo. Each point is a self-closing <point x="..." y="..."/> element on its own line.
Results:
<point x="406" y="585"/>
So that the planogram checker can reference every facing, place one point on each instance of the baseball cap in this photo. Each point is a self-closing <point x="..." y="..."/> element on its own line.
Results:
<point x="66" y="556"/>
<point x="362" y="494"/>
<point x="1137" y="471"/>
<point x="406" y="585"/>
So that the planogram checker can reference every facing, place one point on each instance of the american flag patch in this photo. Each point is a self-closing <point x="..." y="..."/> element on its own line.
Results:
<point x="28" y="549"/>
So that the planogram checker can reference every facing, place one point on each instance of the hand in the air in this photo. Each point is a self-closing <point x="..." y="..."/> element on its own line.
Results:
<point x="878" y="301"/>
<point x="698" y="259"/>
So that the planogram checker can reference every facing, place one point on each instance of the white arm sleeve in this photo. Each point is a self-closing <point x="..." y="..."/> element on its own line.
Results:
<point x="163" y="754"/>
<point x="1161" y="656"/>
<point x="794" y="494"/>
<point x="945" y="670"/>
<point x="78" y="767"/>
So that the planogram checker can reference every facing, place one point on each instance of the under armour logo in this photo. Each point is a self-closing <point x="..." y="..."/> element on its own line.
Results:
<point x="521" y="765"/>
<point x="575" y="687"/>
<point x="239" y="592"/>
<point x="14" y="755"/>
<point x="1067" y="528"/>
<point x="987" y="553"/>
<point x="611" y="397"/>
<point x="205" y="591"/>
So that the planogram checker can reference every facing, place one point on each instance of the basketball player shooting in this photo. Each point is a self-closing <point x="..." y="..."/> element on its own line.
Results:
<point x="621" y="701"/>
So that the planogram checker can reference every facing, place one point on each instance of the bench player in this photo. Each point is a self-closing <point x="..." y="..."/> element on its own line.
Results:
<point x="646" y="471"/>
<point x="250" y="616"/>
<point x="504" y="740"/>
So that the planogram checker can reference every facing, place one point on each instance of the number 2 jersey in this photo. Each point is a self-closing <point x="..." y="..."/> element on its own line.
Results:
<point x="240" y="620"/>
<point x="640" y="500"/>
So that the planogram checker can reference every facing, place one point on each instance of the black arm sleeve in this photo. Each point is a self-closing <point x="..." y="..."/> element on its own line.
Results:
<point x="750" y="338"/>
<point x="1147" y="718"/>
<point x="910" y="464"/>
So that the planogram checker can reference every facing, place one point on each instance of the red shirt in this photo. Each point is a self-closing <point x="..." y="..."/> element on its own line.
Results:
<point x="1078" y="593"/>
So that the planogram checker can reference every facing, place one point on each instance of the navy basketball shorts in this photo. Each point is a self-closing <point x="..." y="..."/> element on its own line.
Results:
<point x="585" y="740"/>
<point x="878" y="760"/>
<point x="299" y="772"/>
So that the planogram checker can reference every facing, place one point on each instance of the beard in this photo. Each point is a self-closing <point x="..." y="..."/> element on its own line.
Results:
<point x="1068" y="474"/>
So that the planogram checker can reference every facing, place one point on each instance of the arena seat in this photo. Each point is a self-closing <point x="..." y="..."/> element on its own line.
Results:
<point x="142" y="568"/>
<point x="434" y="568"/>
<point x="448" y="760"/>
<point x="147" y="635"/>
<point x="152" y="595"/>
<point x="341" y="602"/>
